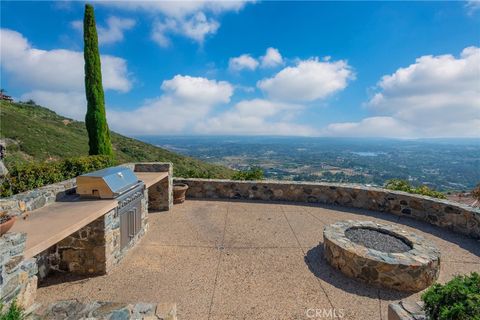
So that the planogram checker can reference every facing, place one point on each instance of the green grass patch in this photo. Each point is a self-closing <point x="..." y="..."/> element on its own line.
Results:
<point x="14" y="312"/>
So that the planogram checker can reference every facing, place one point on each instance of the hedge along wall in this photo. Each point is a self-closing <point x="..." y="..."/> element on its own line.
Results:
<point x="442" y="213"/>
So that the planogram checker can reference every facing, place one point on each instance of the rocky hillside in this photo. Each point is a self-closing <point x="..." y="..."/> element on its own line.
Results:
<point x="35" y="133"/>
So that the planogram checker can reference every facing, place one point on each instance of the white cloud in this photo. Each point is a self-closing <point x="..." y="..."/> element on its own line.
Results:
<point x="55" y="78"/>
<point x="309" y="80"/>
<point x="192" y="19"/>
<point x="386" y="127"/>
<point x="245" y="61"/>
<point x="56" y="70"/>
<point x="257" y="117"/>
<point x="185" y="101"/>
<point x="272" y="58"/>
<point x="71" y="104"/>
<point x="113" y="32"/>
<point x="198" y="90"/>
<point x="195" y="27"/>
<point x="437" y="96"/>
<point x="472" y="6"/>
<point x="178" y="9"/>
<point x="187" y="104"/>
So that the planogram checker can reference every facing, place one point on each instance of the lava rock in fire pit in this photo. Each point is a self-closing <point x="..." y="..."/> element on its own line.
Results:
<point x="377" y="240"/>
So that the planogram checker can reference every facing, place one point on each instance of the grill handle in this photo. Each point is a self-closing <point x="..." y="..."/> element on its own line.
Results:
<point x="133" y="223"/>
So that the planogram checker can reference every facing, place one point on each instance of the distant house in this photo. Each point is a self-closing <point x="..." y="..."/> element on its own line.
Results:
<point x="5" y="97"/>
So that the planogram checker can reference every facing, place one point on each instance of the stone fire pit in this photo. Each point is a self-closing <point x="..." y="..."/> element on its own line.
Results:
<point x="381" y="255"/>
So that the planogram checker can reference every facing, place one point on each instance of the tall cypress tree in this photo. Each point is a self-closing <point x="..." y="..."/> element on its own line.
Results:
<point x="95" y="119"/>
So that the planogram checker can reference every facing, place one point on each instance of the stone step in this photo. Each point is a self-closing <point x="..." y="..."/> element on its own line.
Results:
<point x="74" y="309"/>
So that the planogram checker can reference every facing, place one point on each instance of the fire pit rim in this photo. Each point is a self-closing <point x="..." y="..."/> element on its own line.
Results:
<point x="421" y="252"/>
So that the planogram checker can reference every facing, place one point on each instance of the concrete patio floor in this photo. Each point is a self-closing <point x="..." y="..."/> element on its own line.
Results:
<point x="251" y="260"/>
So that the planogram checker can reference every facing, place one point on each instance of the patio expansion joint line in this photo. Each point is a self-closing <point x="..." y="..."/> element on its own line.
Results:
<point x="258" y="248"/>
<point x="220" y="255"/>
<point x="218" y="247"/>
<point x="379" y="305"/>
<point x="456" y="261"/>
<point x="305" y="254"/>
<point x="179" y="246"/>
<point x="314" y="216"/>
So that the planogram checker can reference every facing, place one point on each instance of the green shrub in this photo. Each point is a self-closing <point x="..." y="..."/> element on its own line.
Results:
<point x="34" y="175"/>
<point x="458" y="299"/>
<point x="14" y="312"/>
<point x="252" y="174"/>
<point x="402" y="185"/>
<point x="193" y="173"/>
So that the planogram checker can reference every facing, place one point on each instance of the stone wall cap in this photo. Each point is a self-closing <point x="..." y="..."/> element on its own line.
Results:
<point x="355" y="186"/>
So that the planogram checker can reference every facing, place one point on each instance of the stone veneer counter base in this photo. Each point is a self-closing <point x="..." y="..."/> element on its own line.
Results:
<point x="48" y="225"/>
<point x="410" y="271"/>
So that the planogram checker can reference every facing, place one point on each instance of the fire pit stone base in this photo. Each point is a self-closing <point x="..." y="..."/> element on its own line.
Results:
<point x="411" y="271"/>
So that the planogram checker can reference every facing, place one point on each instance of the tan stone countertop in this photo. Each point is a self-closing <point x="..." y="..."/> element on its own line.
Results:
<point x="150" y="178"/>
<point x="48" y="225"/>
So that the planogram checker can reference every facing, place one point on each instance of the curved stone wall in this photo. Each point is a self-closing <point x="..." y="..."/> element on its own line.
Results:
<point x="442" y="213"/>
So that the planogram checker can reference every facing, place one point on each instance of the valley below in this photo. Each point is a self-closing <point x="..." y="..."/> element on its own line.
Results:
<point x="443" y="164"/>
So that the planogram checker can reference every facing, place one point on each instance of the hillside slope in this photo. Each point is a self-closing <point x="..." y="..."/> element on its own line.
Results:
<point x="35" y="133"/>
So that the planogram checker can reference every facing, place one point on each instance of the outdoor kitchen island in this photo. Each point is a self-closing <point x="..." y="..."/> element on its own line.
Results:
<point x="69" y="216"/>
<point x="89" y="236"/>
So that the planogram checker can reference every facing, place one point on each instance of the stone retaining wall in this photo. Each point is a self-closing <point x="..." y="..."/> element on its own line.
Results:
<point x="17" y="276"/>
<point x="37" y="198"/>
<point x="453" y="216"/>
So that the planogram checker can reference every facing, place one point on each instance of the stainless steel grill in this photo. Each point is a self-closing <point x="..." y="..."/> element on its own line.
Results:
<point x="130" y="212"/>
<point x="122" y="184"/>
<point x="107" y="183"/>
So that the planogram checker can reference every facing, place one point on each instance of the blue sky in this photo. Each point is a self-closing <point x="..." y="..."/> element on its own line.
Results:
<point x="374" y="69"/>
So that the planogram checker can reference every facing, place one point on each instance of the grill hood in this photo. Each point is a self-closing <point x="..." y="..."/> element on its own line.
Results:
<point x="106" y="183"/>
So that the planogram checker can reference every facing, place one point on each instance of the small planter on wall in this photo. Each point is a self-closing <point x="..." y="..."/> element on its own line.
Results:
<point x="6" y="222"/>
<point x="179" y="190"/>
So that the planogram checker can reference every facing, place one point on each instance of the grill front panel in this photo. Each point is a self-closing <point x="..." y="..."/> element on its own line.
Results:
<point x="130" y="212"/>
